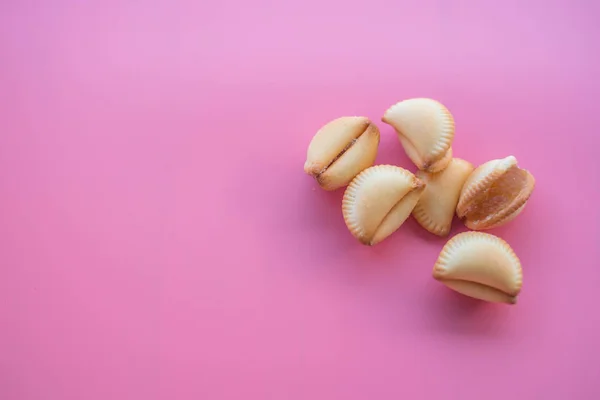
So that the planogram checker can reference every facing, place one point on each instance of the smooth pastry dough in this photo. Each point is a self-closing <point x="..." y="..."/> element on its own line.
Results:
<point x="494" y="194"/>
<point x="425" y="127"/>
<point x="480" y="265"/>
<point x="378" y="201"/>
<point x="436" y="207"/>
<point x="340" y="150"/>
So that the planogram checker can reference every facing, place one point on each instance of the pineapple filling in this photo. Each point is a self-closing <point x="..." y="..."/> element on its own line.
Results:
<point x="498" y="196"/>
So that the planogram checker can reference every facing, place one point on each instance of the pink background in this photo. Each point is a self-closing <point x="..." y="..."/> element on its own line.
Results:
<point x="159" y="239"/>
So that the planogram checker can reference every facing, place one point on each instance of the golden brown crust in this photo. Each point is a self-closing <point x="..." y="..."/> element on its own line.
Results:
<point x="481" y="180"/>
<point x="509" y="213"/>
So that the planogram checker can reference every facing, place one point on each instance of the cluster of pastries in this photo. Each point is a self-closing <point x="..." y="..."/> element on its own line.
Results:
<point x="378" y="199"/>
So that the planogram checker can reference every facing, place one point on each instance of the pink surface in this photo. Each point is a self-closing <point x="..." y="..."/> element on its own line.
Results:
<point x="159" y="239"/>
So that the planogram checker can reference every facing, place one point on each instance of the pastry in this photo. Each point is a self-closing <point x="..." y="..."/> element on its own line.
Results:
<point x="494" y="194"/>
<point x="437" y="206"/>
<point x="340" y="150"/>
<point x="425" y="128"/>
<point x="480" y="265"/>
<point x="378" y="201"/>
